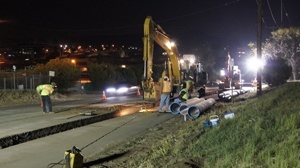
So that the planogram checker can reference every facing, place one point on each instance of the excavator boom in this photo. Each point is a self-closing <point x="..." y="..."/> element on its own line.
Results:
<point x="154" y="33"/>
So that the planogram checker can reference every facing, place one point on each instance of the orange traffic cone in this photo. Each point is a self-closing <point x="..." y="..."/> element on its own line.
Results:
<point x="103" y="96"/>
<point x="138" y="93"/>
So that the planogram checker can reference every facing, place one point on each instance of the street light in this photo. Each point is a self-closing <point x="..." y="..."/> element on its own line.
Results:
<point x="73" y="61"/>
<point x="222" y="72"/>
<point x="254" y="64"/>
<point x="62" y="49"/>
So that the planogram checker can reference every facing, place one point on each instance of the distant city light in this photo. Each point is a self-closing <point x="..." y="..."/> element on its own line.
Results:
<point x="73" y="61"/>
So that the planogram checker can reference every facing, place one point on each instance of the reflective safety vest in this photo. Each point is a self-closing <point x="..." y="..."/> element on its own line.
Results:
<point x="45" y="90"/>
<point x="186" y="95"/>
<point x="189" y="84"/>
<point x="166" y="87"/>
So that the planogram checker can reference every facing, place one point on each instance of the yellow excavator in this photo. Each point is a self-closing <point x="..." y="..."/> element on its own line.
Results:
<point x="154" y="33"/>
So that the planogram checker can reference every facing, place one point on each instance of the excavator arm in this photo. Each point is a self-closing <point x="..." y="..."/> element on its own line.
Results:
<point x="154" y="33"/>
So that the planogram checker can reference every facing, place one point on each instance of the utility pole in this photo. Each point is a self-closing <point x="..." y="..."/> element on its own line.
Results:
<point x="281" y="6"/>
<point x="259" y="38"/>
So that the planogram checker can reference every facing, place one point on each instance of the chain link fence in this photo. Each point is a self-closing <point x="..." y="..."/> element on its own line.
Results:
<point x="22" y="81"/>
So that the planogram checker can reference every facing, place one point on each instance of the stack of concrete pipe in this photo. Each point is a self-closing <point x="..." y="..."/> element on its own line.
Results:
<point x="228" y="95"/>
<point x="192" y="107"/>
<point x="177" y="107"/>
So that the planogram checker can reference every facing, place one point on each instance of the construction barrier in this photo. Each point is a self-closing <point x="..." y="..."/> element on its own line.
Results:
<point x="103" y="96"/>
<point x="138" y="93"/>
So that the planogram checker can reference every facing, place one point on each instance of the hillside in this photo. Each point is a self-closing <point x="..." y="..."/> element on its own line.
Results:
<point x="265" y="132"/>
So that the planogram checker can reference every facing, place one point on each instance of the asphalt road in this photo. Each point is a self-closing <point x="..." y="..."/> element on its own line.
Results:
<point x="49" y="151"/>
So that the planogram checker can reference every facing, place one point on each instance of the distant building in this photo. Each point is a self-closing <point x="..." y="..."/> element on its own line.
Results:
<point x="26" y="56"/>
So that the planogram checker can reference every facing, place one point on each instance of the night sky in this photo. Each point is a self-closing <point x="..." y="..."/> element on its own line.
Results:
<point x="188" y="22"/>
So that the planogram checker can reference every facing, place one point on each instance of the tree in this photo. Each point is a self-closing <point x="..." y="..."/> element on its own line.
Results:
<point x="126" y="75"/>
<point x="284" y="43"/>
<point x="138" y="71"/>
<point x="101" y="75"/>
<point x="276" y="71"/>
<point x="66" y="74"/>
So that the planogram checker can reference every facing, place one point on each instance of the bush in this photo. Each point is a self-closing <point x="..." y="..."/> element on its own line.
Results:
<point x="276" y="72"/>
<point x="66" y="74"/>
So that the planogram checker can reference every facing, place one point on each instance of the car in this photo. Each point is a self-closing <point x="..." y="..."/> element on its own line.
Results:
<point x="122" y="89"/>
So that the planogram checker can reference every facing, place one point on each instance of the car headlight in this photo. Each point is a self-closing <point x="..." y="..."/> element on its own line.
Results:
<point x="134" y="87"/>
<point x="122" y="90"/>
<point x="110" y="90"/>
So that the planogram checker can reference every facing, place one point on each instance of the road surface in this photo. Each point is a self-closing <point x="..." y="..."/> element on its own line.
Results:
<point x="49" y="151"/>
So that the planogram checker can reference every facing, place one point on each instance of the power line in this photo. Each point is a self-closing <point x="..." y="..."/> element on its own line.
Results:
<point x="271" y="13"/>
<point x="287" y="15"/>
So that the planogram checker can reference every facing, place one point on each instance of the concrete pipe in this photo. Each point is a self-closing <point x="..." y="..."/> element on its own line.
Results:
<point x="230" y="95"/>
<point x="177" y="107"/>
<point x="223" y="94"/>
<point x="193" y="101"/>
<point x="174" y="107"/>
<point x="184" y="107"/>
<point x="195" y="110"/>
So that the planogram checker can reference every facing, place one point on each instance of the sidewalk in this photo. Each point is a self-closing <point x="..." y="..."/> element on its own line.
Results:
<point x="20" y="126"/>
<point x="91" y="139"/>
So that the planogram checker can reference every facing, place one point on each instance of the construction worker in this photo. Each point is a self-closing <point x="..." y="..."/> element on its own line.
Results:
<point x="201" y="92"/>
<point x="45" y="91"/>
<point x="166" y="90"/>
<point x="183" y="94"/>
<point x="190" y="86"/>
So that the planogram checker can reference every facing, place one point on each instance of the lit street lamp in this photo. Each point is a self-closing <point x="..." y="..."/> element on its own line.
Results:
<point x="254" y="64"/>
<point x="73" y="61"/>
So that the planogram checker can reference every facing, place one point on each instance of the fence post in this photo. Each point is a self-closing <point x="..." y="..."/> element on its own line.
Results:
<point x="14" y="82"/>
<point x="26" y="82"/>
<point x="4" y="85"/>
<point x="32" y="86"/>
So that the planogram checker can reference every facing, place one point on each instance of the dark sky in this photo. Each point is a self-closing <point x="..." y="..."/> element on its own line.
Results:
<point x="189" y="22"/>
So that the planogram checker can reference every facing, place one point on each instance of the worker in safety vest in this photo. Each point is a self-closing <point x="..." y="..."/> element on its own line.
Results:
<point x="183" y="94"/>
<point x="190" y="86"/>
<point x="201" y="92"/>
<point x="165" y="90"/>
<point x="45" y="91"/>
